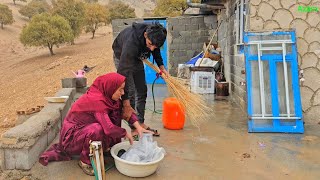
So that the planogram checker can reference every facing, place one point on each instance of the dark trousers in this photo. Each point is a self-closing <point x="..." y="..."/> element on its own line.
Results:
<point x="137" y="90"/>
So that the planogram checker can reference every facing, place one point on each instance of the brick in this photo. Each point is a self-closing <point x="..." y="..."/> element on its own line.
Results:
<point x="196" y="33"/>
<point x="204" y="26"/>
<point x="32" y="154"/>
<point x="2" y="160"/>
<point x="240" y="62"/>
<point x="182" y="60"/>
<point x="114" y="36"/>
<point x="169" y="27"/>
<point x="172" y="21"/>
<point x="186" y="46"/>
<point x="190" y="53"/>
<point x="184" y="21"/>
<point x="178" y="41"/>
<point x="68" y="83"/>
<point x="197" y="46"/>
<point x="203" y="39"/>
<point x="180" y="27"/>
<point x="204" y="33"/>
<point x="82" y="90"/>
<point x="185" y="33"/>
<point x="81" y="82"/>
<point x="9" y="140"/>
<point x="178" y="53"/>
<point x="173" y="46"/>
<point x="10" y="158"/>
<point x="52" y="133"/>
<point x="210" y="19"/>
<point x="66" y="92"/>
<point x="175" y="34"/>
<point x="191" y="39"/>
<point x="192" y="27"/>
<point x="197" y="20"/>
<point x="64" y="112"/>
<point x="22" y="159"/>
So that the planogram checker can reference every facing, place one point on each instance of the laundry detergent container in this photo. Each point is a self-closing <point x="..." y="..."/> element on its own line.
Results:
<point x="173" y="114"/>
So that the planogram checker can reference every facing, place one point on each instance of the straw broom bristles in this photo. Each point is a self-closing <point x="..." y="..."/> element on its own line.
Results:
<point x="194" y="105"/>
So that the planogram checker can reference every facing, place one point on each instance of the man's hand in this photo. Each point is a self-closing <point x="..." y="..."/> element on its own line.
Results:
<point x="164" y="72"/>
<point x="127" y="110"/>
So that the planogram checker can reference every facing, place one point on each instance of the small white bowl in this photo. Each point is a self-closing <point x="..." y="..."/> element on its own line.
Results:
<point x="60" y="99"/>
<point x="133" y="169"/>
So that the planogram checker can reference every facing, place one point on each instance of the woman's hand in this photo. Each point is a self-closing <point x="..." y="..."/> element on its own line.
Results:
<point x="140" y="130"/>
<point x="129" y="136"/>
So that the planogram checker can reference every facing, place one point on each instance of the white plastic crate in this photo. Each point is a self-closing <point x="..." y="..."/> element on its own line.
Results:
<point x="202" y="82"/>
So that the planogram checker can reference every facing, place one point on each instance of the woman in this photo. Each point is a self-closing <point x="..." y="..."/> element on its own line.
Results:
<point x="96" y="116"/>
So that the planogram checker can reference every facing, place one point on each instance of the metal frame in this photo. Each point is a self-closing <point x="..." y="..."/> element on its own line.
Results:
<point x="273" y="59"/>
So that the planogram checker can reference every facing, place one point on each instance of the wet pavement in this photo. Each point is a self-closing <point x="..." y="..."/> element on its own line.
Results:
<point x="220" y="149"/>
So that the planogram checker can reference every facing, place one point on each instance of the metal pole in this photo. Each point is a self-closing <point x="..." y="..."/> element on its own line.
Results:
<point x="262" y="118"/>
<point x="285" y="72"/>
<point x="241" y="21"/>
<point x="261" y="81"/>
<point x="96" y="145"/>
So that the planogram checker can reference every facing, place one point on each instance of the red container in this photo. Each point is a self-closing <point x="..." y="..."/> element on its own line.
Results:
<point x="173" y="114"/>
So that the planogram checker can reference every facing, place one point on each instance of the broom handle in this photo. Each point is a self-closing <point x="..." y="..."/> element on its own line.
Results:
<point x="214" y="34"/>
<point x="155" y="68"/>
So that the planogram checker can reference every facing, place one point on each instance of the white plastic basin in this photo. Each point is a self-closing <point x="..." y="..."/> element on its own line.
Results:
<point x="133" y="169"/>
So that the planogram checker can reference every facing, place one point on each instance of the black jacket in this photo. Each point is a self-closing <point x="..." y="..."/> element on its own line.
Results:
<point x="130" y="48"/>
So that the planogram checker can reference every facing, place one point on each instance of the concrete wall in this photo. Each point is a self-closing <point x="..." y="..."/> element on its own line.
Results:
<point x="186" y="36"/>
<point x="21" y="146"/>
<point x="234" y="63"/>
<point x="284" y="14"/>
<point x="119" y="24"/>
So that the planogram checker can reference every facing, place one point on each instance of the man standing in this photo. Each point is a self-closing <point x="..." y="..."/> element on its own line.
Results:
<point x="132" y="45"/>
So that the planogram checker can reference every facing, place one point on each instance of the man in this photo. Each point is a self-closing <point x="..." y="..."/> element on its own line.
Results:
<point x="132" y="45"/>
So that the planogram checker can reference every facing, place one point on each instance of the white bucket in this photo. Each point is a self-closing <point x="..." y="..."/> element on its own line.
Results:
<point x="133" y="169"/>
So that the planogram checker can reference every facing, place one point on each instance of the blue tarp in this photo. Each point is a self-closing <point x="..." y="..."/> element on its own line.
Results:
<point x="194" y="59"/>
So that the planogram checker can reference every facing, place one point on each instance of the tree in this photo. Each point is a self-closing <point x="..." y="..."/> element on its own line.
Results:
<point x="6" y="16"/>
<point x="46" y="30"/>
<point x="73" y="11"/>
<point x="119" y="10"/>
<point x="170" y="7"/>
<point x="14" y="1"/>
<point x="34" y="7"/>
<point x="95" y="15"/>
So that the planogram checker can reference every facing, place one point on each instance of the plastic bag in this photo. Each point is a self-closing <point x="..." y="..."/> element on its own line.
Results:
<point x="144" y="151"/>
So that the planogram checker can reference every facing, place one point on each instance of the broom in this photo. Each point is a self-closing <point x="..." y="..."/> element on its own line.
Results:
<point x="196" y="108"/>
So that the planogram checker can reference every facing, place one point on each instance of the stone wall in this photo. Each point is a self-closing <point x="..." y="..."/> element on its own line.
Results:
<point x="284" y="14"/>
<point x="186" y="36"/>
<point x="234" y="63"/>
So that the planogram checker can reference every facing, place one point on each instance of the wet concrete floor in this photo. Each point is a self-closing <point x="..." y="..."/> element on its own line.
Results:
<point x="220" y="149"/>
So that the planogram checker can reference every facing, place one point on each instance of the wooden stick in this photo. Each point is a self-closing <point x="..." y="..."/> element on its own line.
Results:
<point x="214" y="34"/>
<point x="102" y="163"/>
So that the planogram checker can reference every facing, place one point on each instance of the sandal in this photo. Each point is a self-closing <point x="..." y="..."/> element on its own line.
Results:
<point x="135" y="137"/>
<point x="155" y="132"/>
<point x="86" y="168"/>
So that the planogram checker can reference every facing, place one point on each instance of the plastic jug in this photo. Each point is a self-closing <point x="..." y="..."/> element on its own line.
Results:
<point x="173" y="114"/>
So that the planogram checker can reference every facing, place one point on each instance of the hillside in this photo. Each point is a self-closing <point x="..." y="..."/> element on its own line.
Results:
<point x="140" y="6"/>
<point x="29" y="74"/>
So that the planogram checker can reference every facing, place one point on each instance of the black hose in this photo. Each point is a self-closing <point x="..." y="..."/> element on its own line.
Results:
<point x="154" y="101"/>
